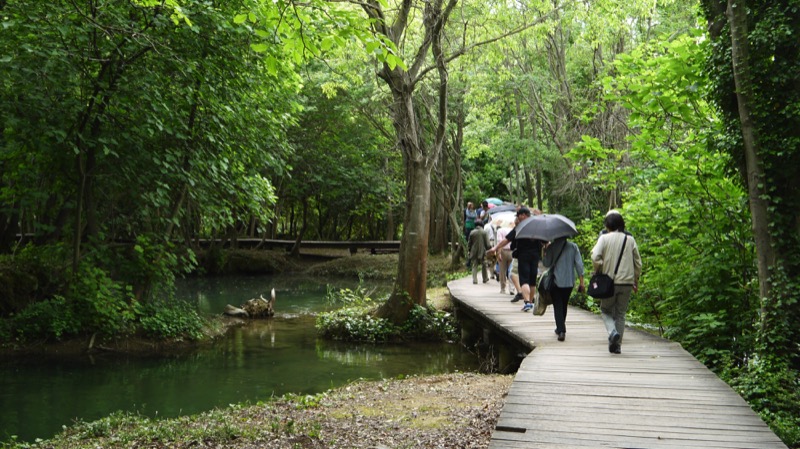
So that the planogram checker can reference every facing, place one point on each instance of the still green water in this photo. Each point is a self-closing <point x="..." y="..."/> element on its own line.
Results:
<point x="261" y="360"/>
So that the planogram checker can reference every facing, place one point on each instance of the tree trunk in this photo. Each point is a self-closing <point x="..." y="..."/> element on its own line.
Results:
<point x="391" y="229"/>
<point x="410" y="284"/>
<point x="412" y="274"/>
<point x="740" y="53"/>
<point x="418" y="156"/>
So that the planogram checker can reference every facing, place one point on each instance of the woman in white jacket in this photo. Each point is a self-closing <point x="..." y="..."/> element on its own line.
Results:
<point x="613" y="246"/>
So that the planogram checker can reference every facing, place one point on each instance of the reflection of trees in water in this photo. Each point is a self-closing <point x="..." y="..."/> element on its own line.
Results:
<point x="349" y="354"/>
<point x="400" y="359"/>
<point x="262" y="332"/>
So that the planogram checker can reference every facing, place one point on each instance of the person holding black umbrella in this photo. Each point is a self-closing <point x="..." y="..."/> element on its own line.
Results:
<point x="529" y="252"/>
<point x="563" y="259"/>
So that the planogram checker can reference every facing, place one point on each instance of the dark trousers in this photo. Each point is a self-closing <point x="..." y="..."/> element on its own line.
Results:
<point x="560" y="300"/>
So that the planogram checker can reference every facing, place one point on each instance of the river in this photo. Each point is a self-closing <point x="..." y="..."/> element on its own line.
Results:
<point x="252" y="363"/>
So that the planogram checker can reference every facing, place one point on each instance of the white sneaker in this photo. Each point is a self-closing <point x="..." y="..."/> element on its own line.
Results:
<point x="502" y="290"/>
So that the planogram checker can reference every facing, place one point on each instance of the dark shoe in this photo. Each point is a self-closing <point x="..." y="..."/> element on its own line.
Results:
<point x="613" y="342"/>
<point x="562" y="336"/>
<point x="516" y="297"/>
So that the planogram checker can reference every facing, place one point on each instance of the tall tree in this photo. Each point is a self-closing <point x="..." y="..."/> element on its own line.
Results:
<point x="419" y="153"/>
<point x="757" y="87"/>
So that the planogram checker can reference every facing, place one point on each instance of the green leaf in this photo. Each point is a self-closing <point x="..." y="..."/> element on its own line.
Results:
<point x="259" y="48"/>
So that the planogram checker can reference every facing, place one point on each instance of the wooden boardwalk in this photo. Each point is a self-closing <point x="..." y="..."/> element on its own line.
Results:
<point x="575" y="394"/>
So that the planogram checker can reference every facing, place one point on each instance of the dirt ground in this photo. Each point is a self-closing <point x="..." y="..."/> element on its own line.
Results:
<point x="444" y="411"/>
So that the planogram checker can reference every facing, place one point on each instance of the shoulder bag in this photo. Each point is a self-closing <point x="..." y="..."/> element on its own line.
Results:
<point x="548" y="279"/>
<point x="602" y="285"/>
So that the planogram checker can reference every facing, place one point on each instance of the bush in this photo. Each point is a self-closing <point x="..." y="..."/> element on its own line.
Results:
<point x="102" y="305"/>
<point x="33" y="274"/>
<point x="174" y="319"/>
<point x="354" y="324"/>
<point x="772" y="389"/>
<point x="429" y="324"/>
<point x="96" y="303"/>
<point x="356" y="321"/>
<point x="52" y="318"/>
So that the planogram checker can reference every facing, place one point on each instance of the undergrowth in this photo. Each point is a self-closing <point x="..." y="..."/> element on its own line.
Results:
<point x="355" y="320"/>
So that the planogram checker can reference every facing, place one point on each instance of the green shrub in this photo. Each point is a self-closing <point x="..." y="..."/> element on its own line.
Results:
<point x="173" y="319"/>
<point x="52" y="318"/>
<point x="429" y="324"/>
<point x="356" y="321"/>
<point x="33" y="274"/>
<point x="102" y="305"/>
<point x="354" y="324"/>
<point x="93" y="303"/>
<point x="772" y="389"/>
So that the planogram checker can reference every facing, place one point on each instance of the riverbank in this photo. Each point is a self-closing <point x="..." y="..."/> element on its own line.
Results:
<point x="317" y="262"/>
<point x="456" y="410"/>
<point x="452" y="410"/>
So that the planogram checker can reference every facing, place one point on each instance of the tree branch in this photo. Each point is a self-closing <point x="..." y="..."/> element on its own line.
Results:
<point x="466" y="49"/>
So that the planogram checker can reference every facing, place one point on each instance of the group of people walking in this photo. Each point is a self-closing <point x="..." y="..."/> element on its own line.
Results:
<point x="615" y="254"/>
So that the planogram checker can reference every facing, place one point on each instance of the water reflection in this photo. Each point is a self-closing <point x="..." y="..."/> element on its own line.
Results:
<point x="263" y="359"/>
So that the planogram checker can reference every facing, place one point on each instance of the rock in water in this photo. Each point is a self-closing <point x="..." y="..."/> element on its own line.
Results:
<point x="235" y="311"/>
<point x="260" y="307"/>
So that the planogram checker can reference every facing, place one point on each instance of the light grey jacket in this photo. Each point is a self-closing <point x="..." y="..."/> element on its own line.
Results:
<point x="568" y="264"/>
<point x="605" y="254"/>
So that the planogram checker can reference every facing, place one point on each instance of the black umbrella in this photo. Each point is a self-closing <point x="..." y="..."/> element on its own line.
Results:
<point x="546" y="227"/>
<point x="502" y="208"/>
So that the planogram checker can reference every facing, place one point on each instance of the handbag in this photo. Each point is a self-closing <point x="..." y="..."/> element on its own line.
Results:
<point x="602" y="285"/>
<point x="540" y="303"/>
<point x="548" y="279"/>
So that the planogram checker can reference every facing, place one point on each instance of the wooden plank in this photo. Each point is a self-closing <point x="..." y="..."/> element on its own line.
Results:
<point x="576" y="394"/>
<point x="567" y="439"/>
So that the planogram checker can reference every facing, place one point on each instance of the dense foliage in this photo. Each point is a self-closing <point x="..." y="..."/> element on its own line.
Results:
<point x="131" y="130"/>
<point x="756" y="88"/>
<point x="689" y="213"/>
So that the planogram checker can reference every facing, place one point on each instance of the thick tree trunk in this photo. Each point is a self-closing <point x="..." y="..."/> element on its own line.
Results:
<point x="391" y="228"/>
<point x="740" y="53"/>
<point x="419" y="156"/>
<point x="412" y="274"/>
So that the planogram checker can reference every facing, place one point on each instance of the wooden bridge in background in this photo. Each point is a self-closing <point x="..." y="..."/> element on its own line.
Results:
<point x="575" y="394"/>
<point x="374" y="246"/>
<point x="352" y="246"/>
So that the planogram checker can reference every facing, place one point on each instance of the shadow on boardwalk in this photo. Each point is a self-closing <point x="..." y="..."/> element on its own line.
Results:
<point x="575" y="394"/>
